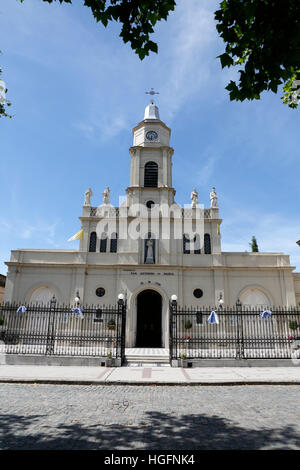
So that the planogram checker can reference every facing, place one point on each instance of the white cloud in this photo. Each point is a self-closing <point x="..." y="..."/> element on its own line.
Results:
<point x="112" y="78"/>
<point x="25" y="230"/>
<point x="102" y="127"/>
<point x="205" y="175"/>
<point x="187" y="55"/>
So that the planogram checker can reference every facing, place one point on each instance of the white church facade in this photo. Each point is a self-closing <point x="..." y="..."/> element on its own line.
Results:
<point x="149" y="248"/>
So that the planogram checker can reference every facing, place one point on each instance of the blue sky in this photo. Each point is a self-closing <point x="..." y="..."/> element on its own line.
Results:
<point x="77" y="92"/>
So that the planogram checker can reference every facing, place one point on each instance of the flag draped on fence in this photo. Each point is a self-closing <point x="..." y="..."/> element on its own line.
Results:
<point x="266" y="314"/>
<point x="78" y="311"/>
<point x="213" y="317"/>
<point x="21" y="309"/>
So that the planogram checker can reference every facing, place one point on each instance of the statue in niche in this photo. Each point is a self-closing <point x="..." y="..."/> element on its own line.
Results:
<point x="149" y="251"/>
<point x="194" y="198"/>
<point x="106" y="196"/>
<point x="87" y="197"/>
<point x="213" y="199"/>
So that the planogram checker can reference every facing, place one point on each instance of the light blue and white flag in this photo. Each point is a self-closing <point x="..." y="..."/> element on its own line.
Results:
<point x="78" y="311"/>
<point x="21" y="309"/>
<point x="266" y="314"/>
<point x="213" y="318"/>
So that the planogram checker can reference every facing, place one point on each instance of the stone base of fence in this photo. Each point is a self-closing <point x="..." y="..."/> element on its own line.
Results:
<point x="186" y="363"/>
<point x="38" y="360"/>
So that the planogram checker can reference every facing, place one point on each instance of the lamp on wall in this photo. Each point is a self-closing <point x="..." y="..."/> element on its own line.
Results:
<point x="53" y="301"/>
<point x="220" y="300"/>
<point x="173" y="304"/>
<point x="120" y="299"/>
<point x="77" y="298"/>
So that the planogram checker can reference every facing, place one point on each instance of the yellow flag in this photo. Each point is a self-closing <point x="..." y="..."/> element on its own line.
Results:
<point x="77" y="236"/>
<point x="218" y="229"/>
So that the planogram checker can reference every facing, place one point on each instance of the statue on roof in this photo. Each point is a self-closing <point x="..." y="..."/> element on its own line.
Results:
<point x="213" y="199"/>
<point x="87" y="197"/>
<point x="106" y="196"/>
<point x="194" y="197"/>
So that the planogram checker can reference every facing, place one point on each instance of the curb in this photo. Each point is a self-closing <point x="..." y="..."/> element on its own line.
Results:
<point x="97" y="382"/>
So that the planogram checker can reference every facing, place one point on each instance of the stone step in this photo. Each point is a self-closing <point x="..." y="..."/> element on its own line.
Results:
<point x="159" y="359"/>
<point x="147" y="352"/>
<point x="145" y="364"/>
<point x="147" y="356"/>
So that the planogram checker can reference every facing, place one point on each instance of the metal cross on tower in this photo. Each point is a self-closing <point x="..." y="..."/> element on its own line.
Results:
<point x="152" y="92"/>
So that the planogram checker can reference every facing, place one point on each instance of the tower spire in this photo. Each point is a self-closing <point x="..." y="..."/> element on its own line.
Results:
<point x="151" y="111"/>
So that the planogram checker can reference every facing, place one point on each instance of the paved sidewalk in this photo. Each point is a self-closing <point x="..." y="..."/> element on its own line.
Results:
<point x="149" y="375"/>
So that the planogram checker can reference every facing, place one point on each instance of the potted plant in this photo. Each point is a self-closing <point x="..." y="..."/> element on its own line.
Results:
<point x="111" y="325"/>
<point x="183" y="360"/>
<point x="109" y="361"/>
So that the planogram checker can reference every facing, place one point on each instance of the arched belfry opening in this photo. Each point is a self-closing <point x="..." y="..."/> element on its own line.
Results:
<point x="149" y="319"/>
<point x="151" y="175"/>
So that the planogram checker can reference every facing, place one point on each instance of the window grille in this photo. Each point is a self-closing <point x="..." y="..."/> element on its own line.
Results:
<point x="151" y="175"/>
<point x="197" y="250"/>
<point x="114" y="243"/>
<point x="103" y="244"/>
<point x="93" y="241"/>
<point x="186" y="245"/>
<point x="207" y="244"/>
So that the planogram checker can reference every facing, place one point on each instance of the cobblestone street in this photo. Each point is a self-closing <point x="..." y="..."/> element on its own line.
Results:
<point x="149" y="417"/>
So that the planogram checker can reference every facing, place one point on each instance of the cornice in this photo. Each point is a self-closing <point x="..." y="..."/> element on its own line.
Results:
<point x="155" y="267"/>
<point x="157" y="147"/>
<point x="154" y="122"/>
<point x="142" y="188"/>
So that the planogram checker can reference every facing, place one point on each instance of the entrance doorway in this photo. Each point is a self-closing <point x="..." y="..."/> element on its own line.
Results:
<point x="149" y="321"/>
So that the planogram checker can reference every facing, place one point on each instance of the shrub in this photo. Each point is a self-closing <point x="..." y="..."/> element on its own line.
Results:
<point x="293" y="325"/>
<point x="188" y="324"/>
<point x="111" y="324"/>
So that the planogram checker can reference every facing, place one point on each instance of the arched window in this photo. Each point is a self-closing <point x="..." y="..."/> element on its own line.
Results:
<point x="191" y="247"/>
<point x="38" y="323"/>
<point x="103" y="243"/>
<point x="253" y="297"/>
<point x="42" y="296"/>
<point x="207" y="244"/>
<point x="151" y="175"/>
<point x="186" y="244"/>
<point x="197" y="250"/>
<point x="114" y="243"/>
<point x="93" y="241"/>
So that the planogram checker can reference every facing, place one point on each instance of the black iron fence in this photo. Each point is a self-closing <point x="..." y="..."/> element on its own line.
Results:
<point x="233" y="333"/>
<point x="63" y="330"/>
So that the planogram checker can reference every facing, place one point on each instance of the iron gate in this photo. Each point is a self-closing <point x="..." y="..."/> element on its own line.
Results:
<point x="240" y="333"/>
<point x="63" y="330"/>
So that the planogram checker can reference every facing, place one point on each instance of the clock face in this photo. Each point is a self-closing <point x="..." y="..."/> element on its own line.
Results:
<point x="151" y="135"/>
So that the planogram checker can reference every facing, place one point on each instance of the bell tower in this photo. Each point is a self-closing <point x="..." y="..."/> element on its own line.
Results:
<point x="151" y="161"/>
